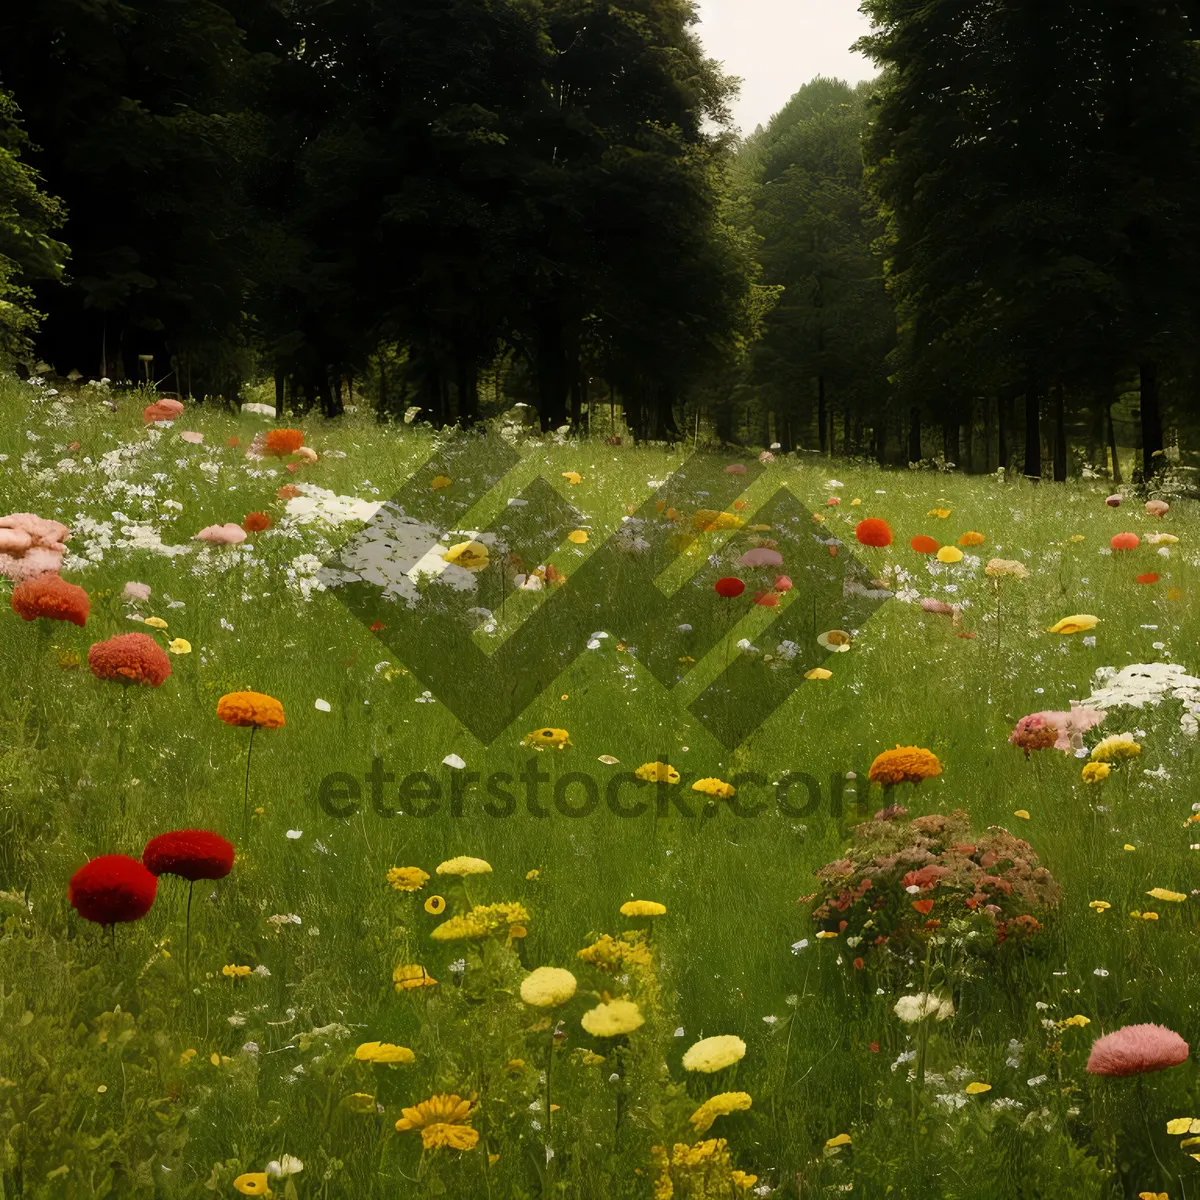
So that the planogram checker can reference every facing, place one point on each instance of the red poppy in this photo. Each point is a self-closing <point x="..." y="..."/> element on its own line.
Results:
<point x="1126" y="541"/>
<point x="729" y="587"/>
<point x="874" y="1047"/>
<point x="859" y="964"/>
<point x="873" y="532"/>
<point x="256" y="522"/>
<point x="923" y="544"/>
<point x="52" y="597"/>
<point x="378" y="627"/>
<point x="923" y="906"/>
<point x="189" y="853"/>
<point x="130" y="658"/>
<point x="112" y="888"/>
<point x="1149" y="577"/>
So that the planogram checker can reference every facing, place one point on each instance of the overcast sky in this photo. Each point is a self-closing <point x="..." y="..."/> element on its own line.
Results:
<point x="775" y="46"/>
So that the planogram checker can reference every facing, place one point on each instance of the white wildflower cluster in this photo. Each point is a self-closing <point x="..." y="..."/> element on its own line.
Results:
<point x="1142" y="685"/>
<point x="921" y="1005"/>
<point x="317" y="504"/>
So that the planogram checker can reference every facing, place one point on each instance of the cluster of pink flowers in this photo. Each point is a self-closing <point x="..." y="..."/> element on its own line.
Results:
<point x="31" y="545"/>
<point x="1055" y="730"/>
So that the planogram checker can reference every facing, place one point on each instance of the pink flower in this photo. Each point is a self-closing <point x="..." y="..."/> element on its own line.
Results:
<point x="1071" y="725"/>
<point x="30" y="546"/>
<point x="783" y="584"/>
<point x="942" y="608"/>
<point x="761" y="556"/>
<point x="1157" y="508"/>
<point x="1113" y="502"/>
<point x="1136" y="1049"/>
<point x="307" y="453"/>
<point x="161" y="410"/>
<point x="735" y="469"/>
<point x="136" y="591"/>
<point x="190" y="435"/>
<point x="766" y="457"/>
<point x="221" y="535"/>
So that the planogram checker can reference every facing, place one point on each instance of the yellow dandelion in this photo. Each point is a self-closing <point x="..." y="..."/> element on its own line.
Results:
<point x="1095" y="772"/>
<point x="717" y="788"/>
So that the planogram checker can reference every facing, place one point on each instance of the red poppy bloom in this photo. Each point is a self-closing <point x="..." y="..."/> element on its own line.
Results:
<point x="52" y="597"/>
<point x="859" y="964"/>
<point x="130" y="658"/>
<point x="729" y="587"/>
<point x="1126" y="541"/>
<point x="873" y="532"/>
<point x="256" y="522"/>
<point x="189" y="853"/>
<point x="112" y="888"/>
<point x="1149" y="577"/>
<point x="923" y="544"/>
<point x="923" y="906"/>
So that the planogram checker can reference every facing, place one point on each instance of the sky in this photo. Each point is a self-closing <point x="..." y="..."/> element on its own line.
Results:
<point x="775" y="46"/>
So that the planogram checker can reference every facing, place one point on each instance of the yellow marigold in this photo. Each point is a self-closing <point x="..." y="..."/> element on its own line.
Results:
<point x="1163" y="894"/>
<point x="541" y="739"/>
<point x="384" y="1052"/>
<point x="1002" y="568"/>
<point x="949" y="554"/>
<point x="464" y="865"/>
<point x="250" y="708"/>
<point x="407" y="879"/>
<point x="408" y="976"/>
<point x="442" y="1109"/>
<point x="548" y="987"/>
<point x="643" y="908"/>
<point x="720" y="1105"/>
<point x="905" y="764"/>
<point x="714" y="787"/>
<point x="1115" y="748"/>
<point x="471" y="556"/>
<point x="612" y="1018"/>
<point x="714" y="1054"/>
<point x="482" y="920"/>
<point x="253" y="1183"/>
<point x="1078" y="1021"/>
<point x="454" y="1137"/>
<point x="1079" y="623"/>
<point x="1096" y="772"/>
<point x="971" y="538"/>
<point x="657" y="772"/>
<point x="613" y="954"/>
<point x="233" y="971"/>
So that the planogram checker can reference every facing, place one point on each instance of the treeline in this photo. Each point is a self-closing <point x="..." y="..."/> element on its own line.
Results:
<point x="987" y="255"/>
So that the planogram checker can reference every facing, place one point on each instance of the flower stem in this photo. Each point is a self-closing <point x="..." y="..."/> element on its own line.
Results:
<point x="246" y="790"/>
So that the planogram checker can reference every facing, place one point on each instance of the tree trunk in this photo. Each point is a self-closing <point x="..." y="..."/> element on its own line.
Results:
<point x="279" y="381"/>
<point x="951" y="447"/>
<point x="914" y="434"/>
<point x="1003" y="426"/>
<point x="553" y="377"/>
<point x="1033" y="432"/>
<point x="1060" y="435"/>
<point x="822" y="428"/>
<point x="1152" y="431"/>
<point x="468" y="391"/>
<point x="1112" y="444"/>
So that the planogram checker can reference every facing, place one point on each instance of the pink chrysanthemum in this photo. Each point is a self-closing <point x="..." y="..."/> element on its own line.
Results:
<point x="1136" y="1049"/>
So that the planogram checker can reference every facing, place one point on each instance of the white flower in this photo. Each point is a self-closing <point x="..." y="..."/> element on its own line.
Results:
<point x="453" y="760"/>
<point x="923" y="1004"/>
<point x="322" y="706"/>
<point x="281" y="1168"/>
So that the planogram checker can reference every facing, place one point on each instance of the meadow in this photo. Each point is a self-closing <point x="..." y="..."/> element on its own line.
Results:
<point x="222" y="1043"/>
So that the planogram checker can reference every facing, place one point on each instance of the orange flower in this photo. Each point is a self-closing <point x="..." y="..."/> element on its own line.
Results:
<point x="873" y="532"/>
<point x="925" y="545"/>
<point x="924" y="907"/>
<point x="1126" y="541"/>
<point x="905" y="764"/>
<point x="256" y="522"/>
<point x="1149" y="577"/>
<point x="52" y="597"/>
<point x="971" y="538"/>
<point x="284" y="441"/>
<point x="130" y="658"/>
<point x="289" y="491"/>
<point x="250" y="708"/>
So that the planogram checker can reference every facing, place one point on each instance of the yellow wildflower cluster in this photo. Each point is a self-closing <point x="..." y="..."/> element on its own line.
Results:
<point x="720" y="1105"/>
<point x="1115" y="748"/>
<point x="657" y="772"/>
<point x="618" y="955"/>
<point x="707" y="520"/>
<point x="703" y="1171"/>
<point x="482" y="921"/>
<point x="407" y="879"/>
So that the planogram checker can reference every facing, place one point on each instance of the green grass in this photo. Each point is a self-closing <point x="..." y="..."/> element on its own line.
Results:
<point x="78" y="1016"/>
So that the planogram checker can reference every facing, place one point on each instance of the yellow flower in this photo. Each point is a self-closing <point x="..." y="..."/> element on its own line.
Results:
<point x="836" y="641"/>
<point x="1078" y="1021"/>
<point x="855" y="501"/>
<point x="1127" y="846"/>
<point x="1180" y="1125"/>
<point x="714" y="1054"/>
<point x="643" y="908"/>
<point x="534" y="874"/>
<point x="1096" y="772"/>
<point x="464" y="865"/>
<point x="1099" y="905"/>
<point x="435" y="905"/>
<point x="186" y="1057"/>
<point x="842" y="1139"/>
<point x="617" y="955"/>
<point x="483" y="920"/>
<point x="360" y="1103"/>
<point x="572" y="477"/>
<point x="971" y="538"/>
<point x="408" y="976"/>
<point x="548" y="987"/>
<point x="714" y="787"/>
<point x="1163" y="894"/>
<point x="740" y="1178"/>
<point x="977" y="1089"/>
<point x="949" y="554"/>
<point x="826" y="934"/>
<point x="942" y="513"/>
<point x="1079" y="623"/>
<point x="407" y="879"/>
<point x="1022" y="813"/>
<point x="657" y="772"/>
<point x="1144" y="916"/>
<point x="720" y="1105"/>
<point x="442" y="1109"/>
<point x="1077" y="537"/>
<point x="708" y="521"/>
<point x="235" y="972"/>
<point x="471" y="556"/>
<point x="254" y="1183"/>
<point x="905" y="764"/>
<point x="612" y="1018"/>
<point x="384" y="1052"/>
<point x="590" y="1059"/>
<point x="1115" y="747"/>
<point x="541" y="739"/>
<point x="578" y="536"/>
<point x="1006" y="568"/>
<point x="818" y="673"/>
<point x="440" y="481"/>
<point x="179" y="646"/>
<point x="456" y="1137"/>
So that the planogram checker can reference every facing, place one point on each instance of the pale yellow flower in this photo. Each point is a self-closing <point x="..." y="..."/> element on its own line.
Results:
<point x="714" y="1054"/>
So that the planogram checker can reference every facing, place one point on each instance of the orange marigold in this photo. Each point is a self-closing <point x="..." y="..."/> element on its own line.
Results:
<point x="130" y="658"/>
<point x="52" y="597"/>
<point x="256" y="522"/>
<point x="905" y="764"/>
<point x="284" y="441"/>
<point x="971" y="538"/>
<point x="250" y="708"/>
<point x="873" y="532"/>
<point x="289" y="491"/>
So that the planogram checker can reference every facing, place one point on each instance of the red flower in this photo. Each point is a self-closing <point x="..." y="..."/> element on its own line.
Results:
<point x="130" y="658"/>
<point x="1126" y="541"/>
<point x="924" y="907"/>
<point x="1149" y="577"/>
<point x="859" y="964"/>
<point x="256" y="522"/>
<point x="284" y="441"/>
<point x="729" y="587"/>
<point x="925" y="545"/>
<point x="112" y="888"/>
<point x="874" y="1047"/>
<point x="52" y="597"/>
<point x="766" y="599"/>
<point x="189" y="853"/>
<point x="873" y="532"/>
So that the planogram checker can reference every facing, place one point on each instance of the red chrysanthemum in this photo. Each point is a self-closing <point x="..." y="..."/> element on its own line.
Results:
<point x="729" y="587"/>
<point x="1136" y="1050"/>
<point x="284" y="441"/>
<point x="923" y="544"/>
<point x="873" y="532"/>
<point x="1126" y="541"/>
<point x="130" y="658"/>
<point x="52" y="597"/>
<point x="112" y="888"/>
<point x="189" y="853"/>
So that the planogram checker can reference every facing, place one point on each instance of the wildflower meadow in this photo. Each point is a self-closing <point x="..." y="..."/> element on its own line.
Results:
<point x="276" y="921"/>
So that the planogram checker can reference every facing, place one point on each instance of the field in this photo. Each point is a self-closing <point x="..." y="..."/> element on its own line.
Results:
<point x="135" y="1061"/>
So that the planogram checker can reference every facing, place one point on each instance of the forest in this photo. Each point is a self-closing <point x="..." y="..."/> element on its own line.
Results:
<point x="984" y="257"/>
